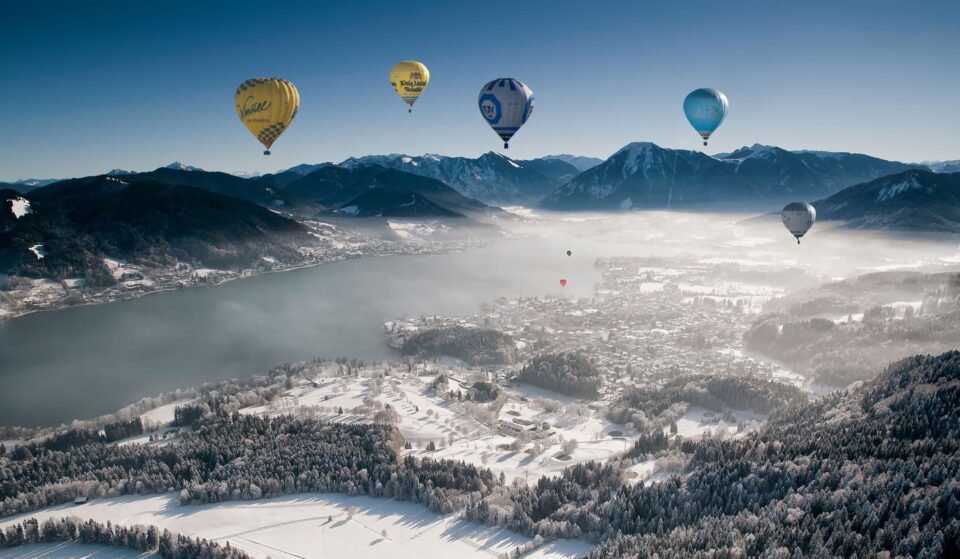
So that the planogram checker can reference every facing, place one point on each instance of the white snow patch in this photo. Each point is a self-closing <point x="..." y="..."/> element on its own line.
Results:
<point x="39" y="251"/>
<point x="889" y="192"/>
<point x="522" y="211"/>
<point x="20" y="207"/>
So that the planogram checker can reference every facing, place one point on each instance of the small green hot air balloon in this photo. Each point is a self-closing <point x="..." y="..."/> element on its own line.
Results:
<point x="569" y="253"/>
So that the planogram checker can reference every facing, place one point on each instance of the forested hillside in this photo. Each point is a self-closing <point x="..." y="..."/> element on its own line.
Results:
<point x="476" y="346"/>
<point x="568" y="373"/>
<point x="847" y="331"/>
<point x="869" y="473"/>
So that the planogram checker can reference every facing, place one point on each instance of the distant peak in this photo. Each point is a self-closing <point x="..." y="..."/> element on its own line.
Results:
<point x="178" y="166"/>
<point x="351" y="163"/>
<point x="637" y="147"/>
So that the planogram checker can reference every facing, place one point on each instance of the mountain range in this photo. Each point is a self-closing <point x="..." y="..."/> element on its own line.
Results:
<point x="914" y="200"/>
<point x="492" y="178"/>
<point x="582" y="163"/>
<point x="645" y="175"/>
<point x="640" y="175"/>
<point x="943" y="166"/>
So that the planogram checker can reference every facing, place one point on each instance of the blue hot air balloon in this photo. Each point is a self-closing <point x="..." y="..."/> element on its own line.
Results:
<point x="506" y="104"/>
<point x="705" y="109"/>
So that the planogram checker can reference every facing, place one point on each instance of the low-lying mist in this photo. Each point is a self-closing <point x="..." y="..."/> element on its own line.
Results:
<point x="81" y="362"/>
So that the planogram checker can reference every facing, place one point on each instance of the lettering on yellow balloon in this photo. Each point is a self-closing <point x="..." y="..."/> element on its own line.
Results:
<point x="250" y="106"/>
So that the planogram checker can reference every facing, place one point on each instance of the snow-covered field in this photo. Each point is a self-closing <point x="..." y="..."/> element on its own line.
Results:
<point x="462" y="430"/>
<point x="313" y="526"/>
<point x="67" y="550"/>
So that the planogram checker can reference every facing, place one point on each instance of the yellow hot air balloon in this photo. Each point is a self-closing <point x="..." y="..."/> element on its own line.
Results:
<point x="267" y="107"/>
<point x="409" y="78"/>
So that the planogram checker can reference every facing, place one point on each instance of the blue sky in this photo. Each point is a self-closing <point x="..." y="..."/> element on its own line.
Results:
<point x="88" y="86"/>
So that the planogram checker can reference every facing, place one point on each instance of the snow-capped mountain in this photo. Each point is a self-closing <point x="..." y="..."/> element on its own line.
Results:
<point x="943" y="166"/>
<point x="119" y="172"/>
<point x="181" y="167"/>
<point x="305" y="168"/>
<point x="582" y="163"/>
<point x="492" y="177"/>
<point x="915" y="200"/>
<point x="36" y="183"/>
<point x="645" y="175"/>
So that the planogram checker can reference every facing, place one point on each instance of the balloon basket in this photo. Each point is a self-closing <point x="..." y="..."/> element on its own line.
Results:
<point x="266" y="152"/>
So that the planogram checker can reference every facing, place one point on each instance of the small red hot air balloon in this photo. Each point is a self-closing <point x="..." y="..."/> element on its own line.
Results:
<point x="563" y="283"/>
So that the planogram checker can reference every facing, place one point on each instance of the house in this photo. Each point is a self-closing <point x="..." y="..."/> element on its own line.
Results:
<point x="80" y="501"/>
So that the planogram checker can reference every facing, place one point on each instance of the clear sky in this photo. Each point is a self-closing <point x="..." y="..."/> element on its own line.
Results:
<point x="89" y="86"/>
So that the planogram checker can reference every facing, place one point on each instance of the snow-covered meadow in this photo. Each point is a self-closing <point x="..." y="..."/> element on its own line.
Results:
<point x="306" y="526"/>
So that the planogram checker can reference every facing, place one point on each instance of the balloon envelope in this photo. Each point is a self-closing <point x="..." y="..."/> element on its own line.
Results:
<point x="506" y="104"/>
<point x="569" y="252"/>
<point x="267" y="106"/>
<point x="563" y="283"/>
<point x="409" y="78"/>
<point x="798" y="218"/>
<point x="705" y="108"/>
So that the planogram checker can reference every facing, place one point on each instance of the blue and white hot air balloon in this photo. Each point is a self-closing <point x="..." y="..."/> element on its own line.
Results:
<point x="506" y="103"/>
<point x="705" y="109"/>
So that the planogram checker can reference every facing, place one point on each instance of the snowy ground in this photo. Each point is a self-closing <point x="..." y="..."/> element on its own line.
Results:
<point x="20" y="207"/>
<point x="71" y="551"/>
<point x="314" y="526"/>
<point x="462" y="430"/>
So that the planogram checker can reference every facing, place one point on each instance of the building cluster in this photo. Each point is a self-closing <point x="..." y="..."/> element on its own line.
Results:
<point x="649" y="321"/>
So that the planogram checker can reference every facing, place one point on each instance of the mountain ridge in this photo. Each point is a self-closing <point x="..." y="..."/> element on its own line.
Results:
<point x="643" y="175"/>
<point x="914" y="200"/>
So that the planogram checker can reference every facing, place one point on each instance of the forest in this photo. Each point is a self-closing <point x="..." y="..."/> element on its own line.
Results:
<point x="145" y="539"/>
<point x="869" y="472"/>
<point x="211" y="464"/>
<point x="567" y="373"/>
<point x="846" y="331"/>
<point x="476" y="346"/>
<point x="647" y="406"/>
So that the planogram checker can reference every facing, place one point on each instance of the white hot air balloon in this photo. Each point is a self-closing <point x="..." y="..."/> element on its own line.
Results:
<point x="506" y="104"/>
<point x="798" y="218"/>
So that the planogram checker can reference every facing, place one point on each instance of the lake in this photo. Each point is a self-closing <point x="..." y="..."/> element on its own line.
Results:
<point x="87" y="361"/>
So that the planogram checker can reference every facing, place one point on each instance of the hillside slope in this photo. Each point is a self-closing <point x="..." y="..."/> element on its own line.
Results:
<point x="79" y="222"/>
<point x="914" y="200"/>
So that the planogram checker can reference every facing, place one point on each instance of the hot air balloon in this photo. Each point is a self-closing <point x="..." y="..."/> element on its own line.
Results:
<point x="705" y="109"/>
<point x="267" y="106"/>
<point x="798" y="218"/>
<point x="569" y="253"/>
<point x="409" y="78"/>
<point x="563" y="283"/>
<point x="506" y="103"/>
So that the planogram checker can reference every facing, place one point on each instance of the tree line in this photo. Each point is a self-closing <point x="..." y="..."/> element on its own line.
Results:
<point x="138" y="538"/>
